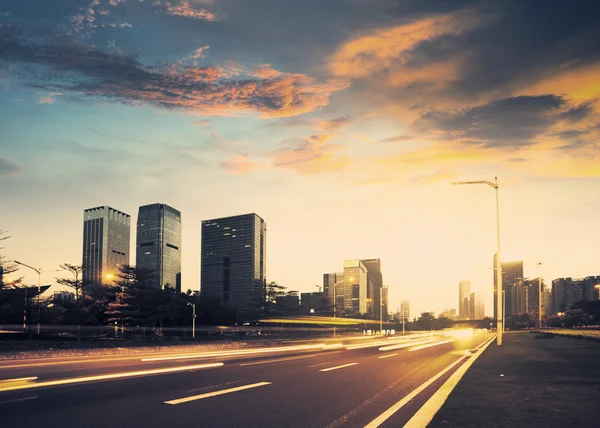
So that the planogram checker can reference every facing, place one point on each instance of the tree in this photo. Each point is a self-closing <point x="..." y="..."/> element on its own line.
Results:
<point x="76" y="283"/>
<point x="274" y="291"/>
<point x="576" y="318"/>
<point x="7" y="267"/>
<point x="426" y="321"/>
<point x="520" y="321"/>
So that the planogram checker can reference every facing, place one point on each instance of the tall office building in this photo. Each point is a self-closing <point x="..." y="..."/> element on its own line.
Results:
<point x="105" y="243"/>
<point x="375" y="289"/>
<point x="233" y="261"/>
<point x="562" y="294"/>
<point x="385" y="303"/>
<point x="358" y="289"/>
<point x="355" y="288"/>
<point x="464" y="291"/>
<point x="158" y="244"/>
<point x="476" y="306"/>
<point x="512" y="286"/>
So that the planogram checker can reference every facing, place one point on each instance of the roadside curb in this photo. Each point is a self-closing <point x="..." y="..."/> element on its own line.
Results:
<point x="426" y="413"/>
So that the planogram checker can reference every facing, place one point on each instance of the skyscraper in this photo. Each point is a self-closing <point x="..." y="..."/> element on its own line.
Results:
<point x="512" y="276"/>
<point x="355" y="288"/>
<point x="464" y="290"/>
<point x="374" y="289"/>
<point x="158" y="244"/>
<point x="105" y="243"/>
<point x="233" y="261"/>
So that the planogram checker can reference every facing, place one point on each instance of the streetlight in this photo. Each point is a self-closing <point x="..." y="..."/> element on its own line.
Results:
<point x="499" y="320"/>
<point x="39" y="287"/>
<point x="193" y="305"/>
<point x="539" y="298"/>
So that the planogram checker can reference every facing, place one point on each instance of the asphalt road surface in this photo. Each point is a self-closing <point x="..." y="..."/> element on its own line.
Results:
<point x="344" y="382"/>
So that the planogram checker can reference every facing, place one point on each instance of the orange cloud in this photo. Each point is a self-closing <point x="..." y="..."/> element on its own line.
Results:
<point x="186" y="10"/>
<point x="240" y="165"/>
<point x="313" y="155"/>
<point x="390" y="49"/>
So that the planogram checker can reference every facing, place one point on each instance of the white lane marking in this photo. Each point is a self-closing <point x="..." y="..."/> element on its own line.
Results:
<point x="278" y="360"/>
<point x="19" y="379"/>
<point x="389" y="412"/>
<point x="214" y="394"/>
<point x="407" y="345"/>
<point x="241" y="352"/>
<point x="386" y="356"/>
<point x="429" y="345"/>
<point x="108" y="376"/>
<point x="426" y="413"/>
<point x="320" y="364"/>
<point x="17" y="400"/>
<point x="338" y="367"/>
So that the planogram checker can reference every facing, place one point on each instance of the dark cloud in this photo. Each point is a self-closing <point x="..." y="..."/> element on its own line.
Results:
<point x="8" y="168"/>
<point x="578" y="113"/>
<point x="510" y="122"/>
<point x="397" y="139"/>
<point x="84" y="71"/>
<point x="576" y="145"/>
<point x="568" y="135"/>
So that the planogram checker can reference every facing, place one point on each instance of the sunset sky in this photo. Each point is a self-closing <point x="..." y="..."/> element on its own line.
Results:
<point x="340" y="122"/>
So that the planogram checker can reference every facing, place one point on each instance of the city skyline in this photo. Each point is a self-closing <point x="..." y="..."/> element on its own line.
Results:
<point x="341" y="122"/>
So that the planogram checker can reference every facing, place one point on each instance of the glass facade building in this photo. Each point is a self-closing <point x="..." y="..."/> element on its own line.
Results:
<point x="158" y="244"/>
<point x="233" y="261"/>
<point x="512" y="285"/>
<point x="105" y="243"/>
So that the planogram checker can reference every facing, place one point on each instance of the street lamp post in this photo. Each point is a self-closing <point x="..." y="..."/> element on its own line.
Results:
<point x="193" y="305"/>
<point x="499" y="320"/>
<point x="39" y="287"/>
<point x="539" y="298"/>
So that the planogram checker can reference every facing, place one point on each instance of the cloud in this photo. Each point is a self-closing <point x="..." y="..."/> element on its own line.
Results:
<point x="312" y="155"/>
<point x="202" y="122"/>
<point x="335" y="124"/>
<point x="186" y="10"/>
<point x="88" y="73"/>
<point x="240" y="165"/>
<point x="391" y="53"/>
<point x="397" y="139"/>
<point x="8" y="168"/>
<point x="509" y="122"/>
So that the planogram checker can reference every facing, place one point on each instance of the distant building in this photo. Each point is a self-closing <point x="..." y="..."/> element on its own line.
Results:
<point x="547" y="308"/>
<point x="316" y="303"/>
<point x="288" y="304"/>
<point x="233" y="262"/>
<point x="105" y="244"/>
<point x="374" y="288"/>
<point x="334" y="282"/>
<point x="476" y="306"/>
<point x="63" y="297"/>
<point x="158" y="244"/>
<point x="385" y="303"/>
<point x="464" y="291"/>
<point x="562" y="294"/>
<point x="512" y="286"/>
<point x="448" y="313"/>
<point x="405" y="310"/>
<point x="532" y="293"/>
<point x="568" y="291"/>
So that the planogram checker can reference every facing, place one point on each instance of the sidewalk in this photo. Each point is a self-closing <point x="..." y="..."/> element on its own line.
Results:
<point x="528" y="383"/>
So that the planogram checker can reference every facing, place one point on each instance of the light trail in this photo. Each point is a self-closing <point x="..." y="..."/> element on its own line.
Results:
<point x="106" y="377"/>
<point x="338" y="367"/>
<point x="429" y="345"/>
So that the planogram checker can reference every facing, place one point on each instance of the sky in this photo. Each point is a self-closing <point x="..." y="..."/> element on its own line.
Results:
<point x="342" y="123"/>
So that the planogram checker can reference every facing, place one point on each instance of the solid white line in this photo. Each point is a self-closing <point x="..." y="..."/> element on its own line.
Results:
<point x="278" y="360"/>
<point x="108" y="376"/>
<point x="429" y="345"/>
<point x="389" y="412"/>
<point x="214" y="394"/>
<point x="437" y="400"/>
<point x="18" y="399"/>
<point x="387" y="356"/>
<point x="338" y="367"/>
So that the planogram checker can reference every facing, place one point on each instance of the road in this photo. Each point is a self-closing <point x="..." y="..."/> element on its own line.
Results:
<point x="345" y="382"/>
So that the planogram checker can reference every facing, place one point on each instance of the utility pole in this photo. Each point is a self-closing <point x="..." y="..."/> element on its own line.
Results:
<point x="193" y="305"/>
